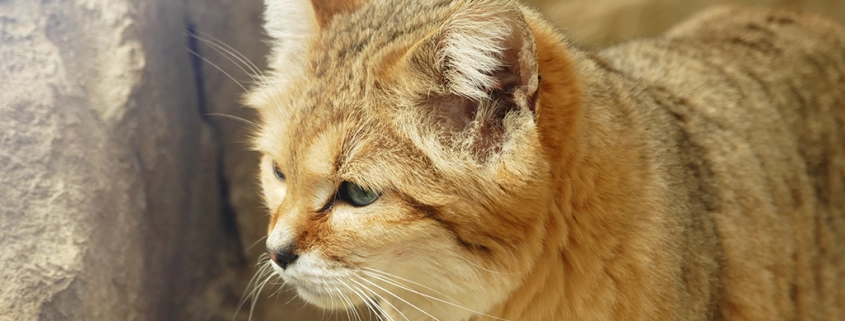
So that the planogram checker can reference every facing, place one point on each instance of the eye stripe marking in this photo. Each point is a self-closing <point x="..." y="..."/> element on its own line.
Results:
<point x="433" y="213"/>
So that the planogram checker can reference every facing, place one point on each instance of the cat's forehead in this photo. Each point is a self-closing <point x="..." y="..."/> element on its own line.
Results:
<point x="373" y="35"/>
<point x="338" y="102"/>
<point x="317" y="132"/>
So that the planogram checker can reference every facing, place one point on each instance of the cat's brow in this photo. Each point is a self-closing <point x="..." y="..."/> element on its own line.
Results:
<point x="319" y="158"/>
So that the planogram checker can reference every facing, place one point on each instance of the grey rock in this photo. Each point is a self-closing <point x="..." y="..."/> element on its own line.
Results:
<point x="110" y="197"/>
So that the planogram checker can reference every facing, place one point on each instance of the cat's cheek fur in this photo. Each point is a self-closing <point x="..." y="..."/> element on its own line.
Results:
<point x="439" y="269"/>
<point x="372" y="251"/>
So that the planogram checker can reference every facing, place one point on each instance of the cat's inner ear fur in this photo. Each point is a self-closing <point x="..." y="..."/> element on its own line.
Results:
<point x="483" y="61"/>
<point x="482" y="50"/>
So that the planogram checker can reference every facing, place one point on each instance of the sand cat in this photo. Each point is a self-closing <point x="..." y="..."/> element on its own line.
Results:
<point x="460" y="160"/>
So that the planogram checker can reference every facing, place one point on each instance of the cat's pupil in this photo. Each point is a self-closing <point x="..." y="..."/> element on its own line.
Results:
<point x="278" y="171"/>
<point x="357" y="195"/>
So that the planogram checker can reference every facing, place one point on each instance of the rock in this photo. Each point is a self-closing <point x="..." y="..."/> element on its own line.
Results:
<point x="110" y="196"/>
<point x="230" y="40"/>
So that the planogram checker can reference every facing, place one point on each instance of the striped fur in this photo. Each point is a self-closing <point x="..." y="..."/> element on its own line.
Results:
<point x="699" y="175"/>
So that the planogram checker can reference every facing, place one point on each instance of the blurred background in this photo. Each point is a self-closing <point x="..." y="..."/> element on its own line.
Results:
<point x="127" y="189"/>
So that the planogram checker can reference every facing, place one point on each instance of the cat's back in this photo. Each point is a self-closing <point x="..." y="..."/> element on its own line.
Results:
<point x="738" y="64"/>
<point x="760" y="96"/>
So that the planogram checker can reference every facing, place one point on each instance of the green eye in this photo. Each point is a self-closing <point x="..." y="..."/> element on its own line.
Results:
<point x="357" y="195"/>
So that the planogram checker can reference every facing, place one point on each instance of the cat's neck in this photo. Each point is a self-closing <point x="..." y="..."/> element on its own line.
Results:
<point x="559" y="119"/>
<point x="598" y="221"/>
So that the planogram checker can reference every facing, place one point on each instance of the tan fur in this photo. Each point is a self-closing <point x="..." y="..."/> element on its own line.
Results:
<point x="695" y="176"/>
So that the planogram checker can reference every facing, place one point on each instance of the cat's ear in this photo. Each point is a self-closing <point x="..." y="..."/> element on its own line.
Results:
<point x="326" y="9"/>
<point x="294" y="25"/>
<point x="481" y="50"/>
<point x="483" y="62"/>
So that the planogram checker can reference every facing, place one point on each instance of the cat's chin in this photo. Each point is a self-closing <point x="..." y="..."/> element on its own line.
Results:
<point x="328" y="300"/>
<point x="316" y="297"/>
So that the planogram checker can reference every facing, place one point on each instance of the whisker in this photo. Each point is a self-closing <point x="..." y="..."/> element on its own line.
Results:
<point x="344" y="303"/>
<point x="257" y="294"/>
<point x="354" y="307"/>
<point x="386" y="274"/>
<point x="260" y="274"/>
<point x="331" y="312"/>
<point x="228" y="57"/>
<point x="214" y="42"/>
<point x="347" y="303"/>
<point x="245" y="144"/>
<point x="255" y="73"/>
<point x="228" y="52"/>
<point x="279" y="291"/>
<point x="406" y="288"/>
<point x="372" y="307"/>
<point x="383" y="300"/>
<point x="256" y="243"/>
<point x="292" y="298"/>
<point x="245" y="121"/>
<point x="334" y="311"/>
<point x="400" y="299"/>
<point x="365" y="299"/>
<point x="218" y="68"/>
<point x="323" y="311"/>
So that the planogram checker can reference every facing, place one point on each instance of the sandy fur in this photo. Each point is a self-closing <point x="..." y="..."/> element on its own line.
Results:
<point x="695" y="176"/>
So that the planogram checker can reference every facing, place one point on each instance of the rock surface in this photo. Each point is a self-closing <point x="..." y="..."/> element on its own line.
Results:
<point x="128" y="190"/>
<point x="110" y="197"/>
<point x="229" y="35"/>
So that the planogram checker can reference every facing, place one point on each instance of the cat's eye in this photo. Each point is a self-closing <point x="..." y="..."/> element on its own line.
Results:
<point x="278" y="171"/>
<point x="356" y="195"/>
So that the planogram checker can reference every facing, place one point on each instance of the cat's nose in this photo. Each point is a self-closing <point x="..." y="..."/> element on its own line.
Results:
<point x="284" y="256"/>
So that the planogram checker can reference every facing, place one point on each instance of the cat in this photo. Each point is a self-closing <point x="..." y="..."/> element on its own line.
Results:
<point x="461" y="160"/>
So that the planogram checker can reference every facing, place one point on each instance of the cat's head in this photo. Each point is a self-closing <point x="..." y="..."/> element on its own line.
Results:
<point x="401" y="159"/>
